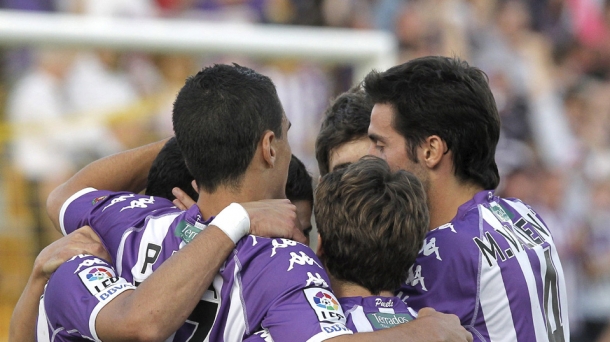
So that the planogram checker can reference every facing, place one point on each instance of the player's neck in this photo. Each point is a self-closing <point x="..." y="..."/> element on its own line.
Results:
<point x="445" y="196"/>
<point x="345" y="289"/>
<point x="210" y="204"/>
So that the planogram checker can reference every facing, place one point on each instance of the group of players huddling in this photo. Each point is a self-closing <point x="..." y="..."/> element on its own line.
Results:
<point x="413" y="244"/>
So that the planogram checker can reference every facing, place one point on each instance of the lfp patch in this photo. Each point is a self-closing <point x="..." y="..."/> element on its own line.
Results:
<point x="324" y="303"/>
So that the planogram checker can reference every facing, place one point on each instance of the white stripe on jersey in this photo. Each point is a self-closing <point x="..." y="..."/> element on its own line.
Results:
<point x="359" y="319"/>
<point x="492" y="294"/>
<point x="42" y="325"/>
<point x="235" y="326"/>
<point x="62" y="211"/>
<point x="528" y="274"/>
<point x="523" y="210"/>
<point x="387" y="310"/>
<point x="155" y="232"/>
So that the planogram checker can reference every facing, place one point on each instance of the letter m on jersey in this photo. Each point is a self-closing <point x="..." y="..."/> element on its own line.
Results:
<point x="490" y="249"/>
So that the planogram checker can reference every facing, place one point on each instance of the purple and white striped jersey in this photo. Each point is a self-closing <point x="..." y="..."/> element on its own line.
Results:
<point x="273" y="284"/>
<point x="496" y="267"/>
<point x="366" y="314"/>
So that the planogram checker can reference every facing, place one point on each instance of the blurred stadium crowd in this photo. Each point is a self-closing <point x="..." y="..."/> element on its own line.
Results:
<point x="548" y="63"/>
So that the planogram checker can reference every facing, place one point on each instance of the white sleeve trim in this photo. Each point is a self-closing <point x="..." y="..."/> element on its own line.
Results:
<point x="100" y="306"/>
<point x="323" y="336"/>
<point x="62" y="212"/>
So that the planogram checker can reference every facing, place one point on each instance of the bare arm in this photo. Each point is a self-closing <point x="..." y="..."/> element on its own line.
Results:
<point x="81" y="241"/>
<point x="125" y="171"/>
<point x="430" y="326"/>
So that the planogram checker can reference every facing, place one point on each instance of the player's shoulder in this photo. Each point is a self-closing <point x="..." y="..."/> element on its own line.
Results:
<point x="282" y="258"/>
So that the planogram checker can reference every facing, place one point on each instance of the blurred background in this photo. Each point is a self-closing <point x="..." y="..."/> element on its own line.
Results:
<point x="548" y="62"/>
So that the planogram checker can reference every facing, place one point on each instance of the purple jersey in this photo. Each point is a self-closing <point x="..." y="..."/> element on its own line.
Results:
<point x="366" y="314"/>
<point x="272" y="284"/>
<point x="496" y="267"/>
<point x="73" y="297"/>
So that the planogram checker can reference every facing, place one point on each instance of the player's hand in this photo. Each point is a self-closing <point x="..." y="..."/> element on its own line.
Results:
<point x="276" y="218"/>
<point x="81" y="241"/>
<point x="182" y="201"/>
<point x="442" y="327"/>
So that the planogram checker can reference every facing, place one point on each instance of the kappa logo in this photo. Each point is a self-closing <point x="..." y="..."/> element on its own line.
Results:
<point x="285" y="243"/>
<point x="430" y="247"/>
<point x="315" y="280"/>
<point x="302" y="260"/>
<point x="88" y="262"/>
<point x="140" y="203"/>
<point x="416" y="277"/>
<point x="265" y="335"/>
<point x="118" y="200"/>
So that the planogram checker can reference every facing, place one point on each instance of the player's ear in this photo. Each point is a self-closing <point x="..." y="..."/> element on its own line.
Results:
<point x="432" y="151"/>
<point x="268" y="148"/>
<point x="319" y="249"/>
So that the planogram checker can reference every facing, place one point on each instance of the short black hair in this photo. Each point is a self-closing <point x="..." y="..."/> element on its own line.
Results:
<point x="443" y="96"/>
<point x="298" y="186"/>
<point x="219" y="117"/>
<point x="369" y="218"/>
<point x="346" y="119"/>
<point x="168" y="171"/>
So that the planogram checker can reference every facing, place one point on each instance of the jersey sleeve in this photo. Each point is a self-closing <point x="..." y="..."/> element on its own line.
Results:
<point x="76" y="293"/>
<point x="444" y="275"/>
<point x="105" y="210"/>
<point x="286" y="282"/>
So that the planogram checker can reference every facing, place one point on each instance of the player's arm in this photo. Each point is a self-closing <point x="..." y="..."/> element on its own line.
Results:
<point x="163" y="302"/>
<point x="430" y="326"/>
<point x="125" y="171"/>
<point x="81" y="241"/>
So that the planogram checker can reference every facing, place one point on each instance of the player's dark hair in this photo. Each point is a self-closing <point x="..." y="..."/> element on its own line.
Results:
<point x="445" y="97"/>
<point x="219" y="117"/>
<point x="298" y="186"/>
<point x="346" y="119"/>
<point x="370" y="220"/>
<point x="168" y="171"/>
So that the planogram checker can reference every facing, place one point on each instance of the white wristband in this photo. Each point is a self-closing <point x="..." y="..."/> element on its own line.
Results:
<point x="233" y="221"/>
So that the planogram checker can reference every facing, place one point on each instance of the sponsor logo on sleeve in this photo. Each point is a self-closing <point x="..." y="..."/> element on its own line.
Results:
<point x="102" y="282"/>
<point x="382" y="320"/>
<point x="333" y="328"/>
<point x="98" y="199"/>
<point x="325" y="305"/>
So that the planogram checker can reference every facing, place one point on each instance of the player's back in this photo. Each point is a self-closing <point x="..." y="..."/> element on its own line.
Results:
<point x="278" y="285"/>
<point x="496" y="267"/>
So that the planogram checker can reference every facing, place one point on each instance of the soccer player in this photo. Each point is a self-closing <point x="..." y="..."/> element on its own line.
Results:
<point x="270" y="283"/>
<point x="489" y="260"/>
<point x="343" y="136"/>
<point x="167" y="171"/>
<point x="369" y="221"/>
